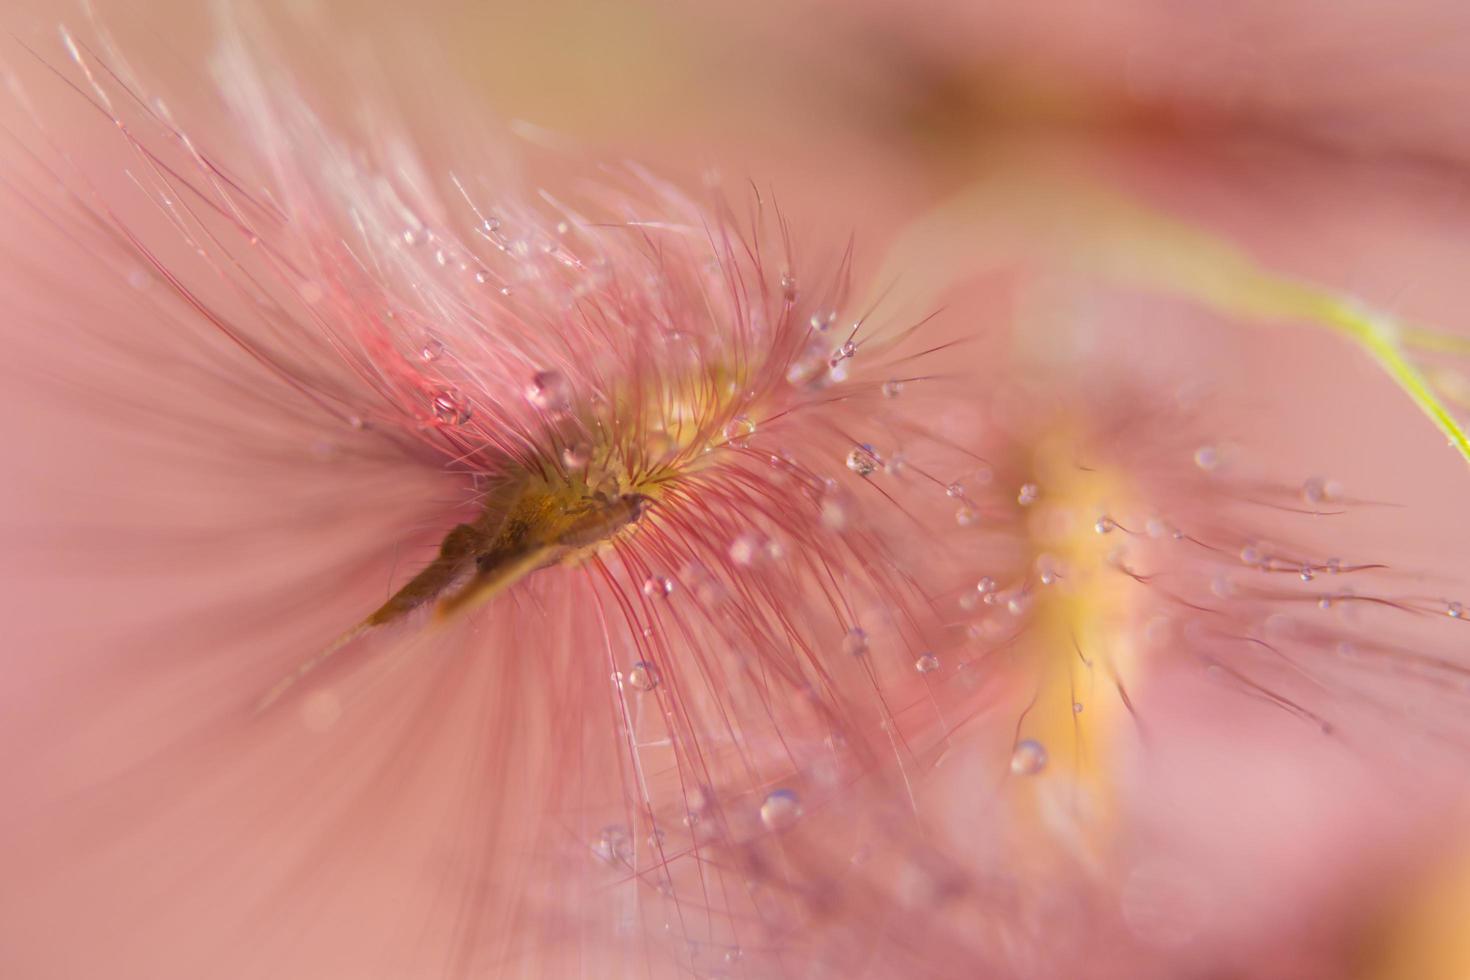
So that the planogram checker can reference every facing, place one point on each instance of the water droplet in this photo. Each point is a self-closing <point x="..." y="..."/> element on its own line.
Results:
<point x="739" y="430"/>
<point x="1076" y="707"/>
<point x="549" y="391"/>
<point x="449" y="407"/>
<point x="955" y="490"/>
<point x="658" y="586"/>
<point x="431" y="351"/>
<point x="1028" y="494"/>
<point x="482" y="277"/>
<point x="745" y="549"/>
<point x="1029" y="758"/>
<point x="643" y="676"/>
<point x="803" y="370"/>
<point x="1455" y="610"/>
<point x="1104" y="525"/>
<point x="848" y="349"/>
<point x="505" y="290"/>
<point x="1207" y="458"/>
<point x="788" y="286"/>
<point x="440" y="257"/>
<point x="1016" y="604"/>
<point x="927" y="663"/>
<point x="833" y="512"/>
<point x="613" y="845"/>
<point x="855" y="643"/>
<point x="892" y="388"/>
<point x="576" y="456"/>
<point x="780" y="809"/>
<point x="862" y="460"/>
<point x="986" y="586"/>
<point x="820" y="323"/>
<point x="1318" y="490"/>
<point x="966" y="516"/>
<point x="1307" y="573"/>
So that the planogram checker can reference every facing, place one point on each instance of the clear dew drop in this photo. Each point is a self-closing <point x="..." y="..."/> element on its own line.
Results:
<point x="892" y="388"/>
<point x="986" y="586"/>
<point x="780" y="809"/>
<point x="431" y="351"/>
<point x="862" y="460"/>
<point x="643" y="676"/>
<point x="1307" y="573"/>
<point x="803" y="371"/>
<point x="855" y="643"/>
<point x="576" y="456"/>
<point x="833" y="512"/>
<point x="1455" y="610"/>
<point x="1076" y="707"/>
<point x="739" y="430"/>
<point x="613" y="845"/>
<point x="549" y="391"/>
<point x="745" y="549"/>
<point x="1028" y="758"/>
<point x="848" y="349"/>
<point x="482" y="277"/>
<point x="1104" y="525"/>
<point x="955" y="490"/>
<point x="658" y="586"/>
<point x="449" y="408"/>
<point x="1028" y="494"/>
<point x="966" y="516"/>
<point x="788" y="286"/>
<point x="1207" y="458"/>
<point x="1319" y="490"/>
<point x="927" y="663"/>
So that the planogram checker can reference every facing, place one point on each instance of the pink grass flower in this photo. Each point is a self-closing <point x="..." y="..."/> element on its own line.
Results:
<point x="449" y="574"/>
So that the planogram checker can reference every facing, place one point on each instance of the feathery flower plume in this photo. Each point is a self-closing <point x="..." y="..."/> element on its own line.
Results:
<point x="493" y="581"/>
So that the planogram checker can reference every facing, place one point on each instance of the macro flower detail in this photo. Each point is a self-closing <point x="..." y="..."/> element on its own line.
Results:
<point x="501" y="571"/>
